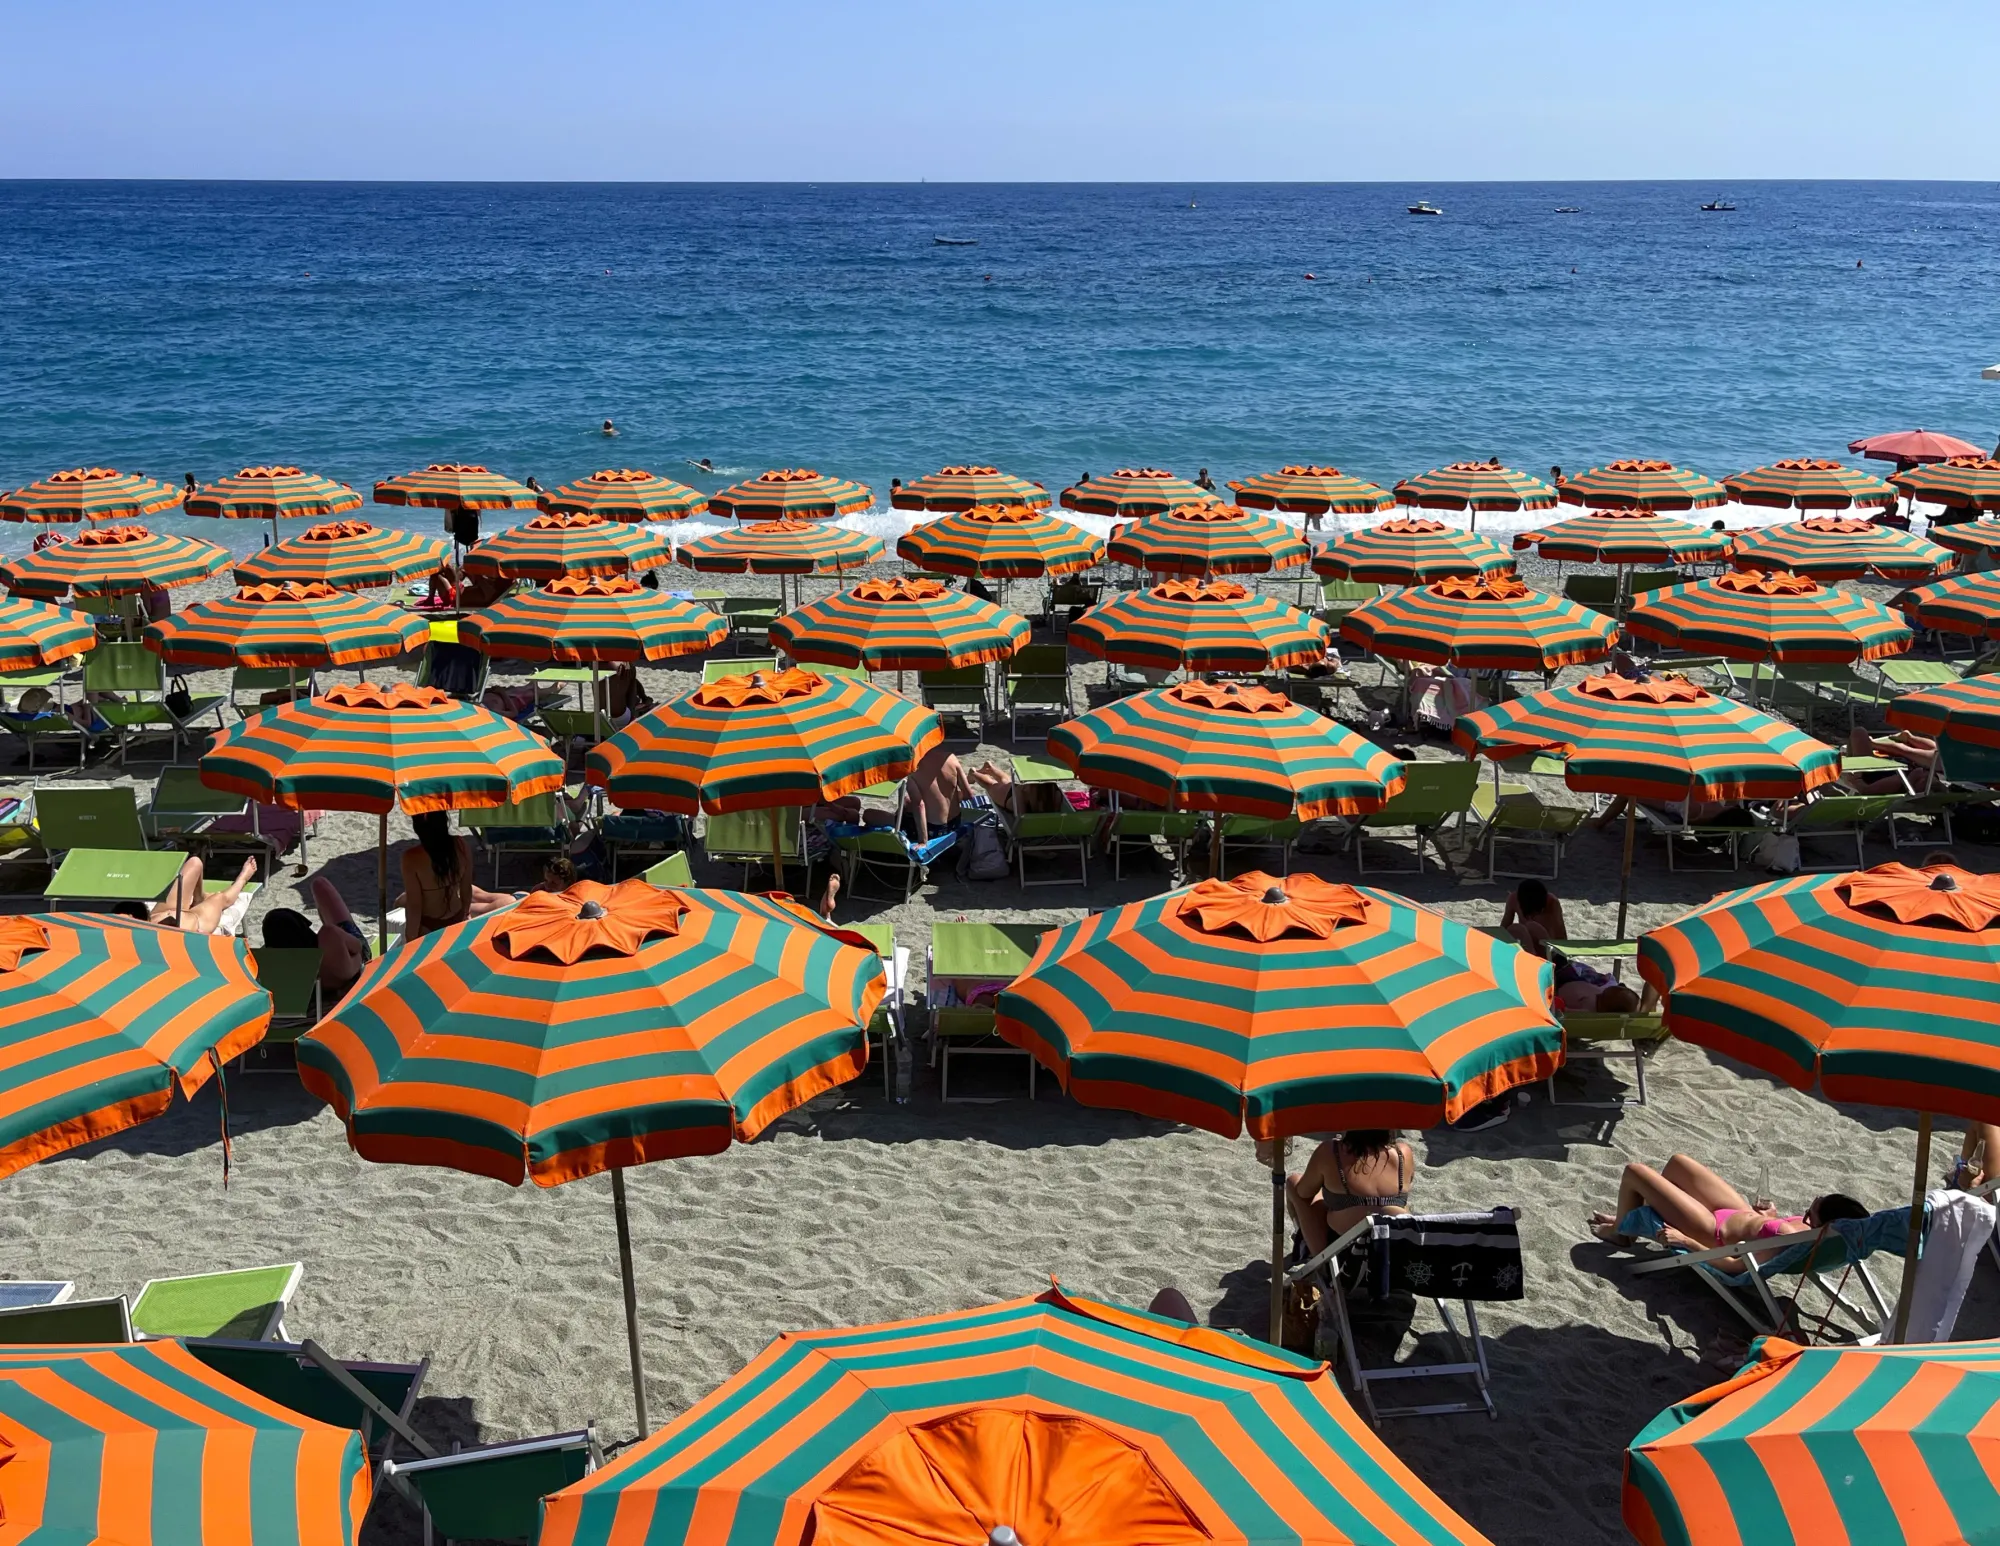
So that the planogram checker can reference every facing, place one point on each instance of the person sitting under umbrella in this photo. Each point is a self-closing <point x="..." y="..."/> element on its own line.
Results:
<point x="189" y="909"/>
<point x="1697" y="1210"/>
<point x="1350" y="1178"/>
<point x="343" y="951"/>
<point x="437" y="879"/>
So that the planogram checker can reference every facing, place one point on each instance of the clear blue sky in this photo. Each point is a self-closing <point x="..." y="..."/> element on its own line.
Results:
<point x="1021" y="90"/>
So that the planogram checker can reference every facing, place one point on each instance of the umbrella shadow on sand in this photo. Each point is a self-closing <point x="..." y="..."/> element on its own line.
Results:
<point x="1015" y="1123"/>
<point x="256" y="1103"/>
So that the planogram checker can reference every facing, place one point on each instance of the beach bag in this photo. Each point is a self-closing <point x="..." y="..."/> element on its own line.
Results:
<point x="1301" y="1325"/>
<point x="1778" y="853"/>
<point x="985" y="855"/>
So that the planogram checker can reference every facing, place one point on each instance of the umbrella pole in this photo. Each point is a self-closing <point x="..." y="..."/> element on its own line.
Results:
<point x="1910" y="1250"/>
<point x="1277" y="1242"/>
<point x="382" y="884"/>
<point x="1625" y="871"/>
<point x="777" y="854"/>
<point x="631" y="1297"/>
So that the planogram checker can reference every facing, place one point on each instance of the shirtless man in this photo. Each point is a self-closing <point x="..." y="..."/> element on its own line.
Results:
<point x="185" y="906"/>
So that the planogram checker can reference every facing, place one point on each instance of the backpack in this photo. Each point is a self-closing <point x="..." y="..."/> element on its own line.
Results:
<point x="985" y="855"/>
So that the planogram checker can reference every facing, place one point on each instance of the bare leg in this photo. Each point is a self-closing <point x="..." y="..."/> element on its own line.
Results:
<point x="484" y="901"/>
<point x="205" y="917"/>
<point x="1612" y="812"/>
<point x="184" y="894"/>
<point x="1702" y="1184"/>
<point x="1319" y="1173"/>
<point x="1682" y="1212"/>
<point x="831" y="896"/>
<point x="329" y="903"/>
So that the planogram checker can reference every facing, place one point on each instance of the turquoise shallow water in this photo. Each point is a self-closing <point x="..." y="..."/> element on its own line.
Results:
<point x="364" y="329"/>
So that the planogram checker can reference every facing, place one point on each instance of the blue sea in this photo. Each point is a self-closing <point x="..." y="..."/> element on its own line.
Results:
<point x="363" y="329"/>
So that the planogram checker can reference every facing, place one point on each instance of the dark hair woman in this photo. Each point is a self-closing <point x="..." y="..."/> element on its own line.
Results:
<point x="1359" y="1174"/>
<point x="437" y="877"/>
<point x="1698" y="1210"/>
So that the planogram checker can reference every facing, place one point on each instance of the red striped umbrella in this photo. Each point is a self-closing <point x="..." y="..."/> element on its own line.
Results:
<point x="1961" y="603"/>
<point x="1910" y="446"/>
<point x="797" y="493"/>
<point x="35" y="634"/>
<point x="553" y="547"/>
<point x="298" y="626"/>
<point x="1634" y="536"/>
<point x="352" y="555"/>
<point x="1961" y="482"/>
<point x="780" y="547"/>
<point x="1493" y="624"/>
<point x="1207" y="539"/>
<point x="1639" y="482"/>
<point x="114" y="561"/>
<point x="455" y="486"/>
<point x="1475" y="486"/>
<point x="1758" y="616"/>
<point x="89" y="494"/>
<point x="271" y="494"/>
<point x="1809" y="483"/>
<point x="626" y="494"/>
<point x="1410" y="550"/>
<point x="900" y="625"/>
<point x="1188" y="625"/>
<point x="591" y="621"/>
<point x="1133" y="491"/>
<point x="962" y="487"/>
<point x="1309" y="489"/>
<point x="1840" y="547"/>
<point x="1004" y="542"/>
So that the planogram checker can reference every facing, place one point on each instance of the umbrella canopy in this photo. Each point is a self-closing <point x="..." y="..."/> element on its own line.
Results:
<point x="1133" y="491"/>
<point x="1209" y="539"/>
<point x="1758" y="616"/>
<point x="1625" y="536"/>
<point x="626" y="494"/>
<point x="114" y="561"/>
<point x="102" y="1018"/>
<point x="1967" y="712"/>
<point x="1962" y="482"/>
<point x="1065" y="1421"/>
<point x="798" y="493"/>
<point x="305" y="626"/>
<point x="1309" y="489"/>
<point x="1475" y="486"/>
<point x="963" y="487"/>
<point x="900" y="625"/>
<point x="1641" y="483"/>
<point x="1222" y="746"/>
<point x="143" y="1444"/>
<point x="593" y="621"/>
<point x="779" y="547"/>
<point x="1809" y="483"/>
<point x="349" y="555"/>
<point x="763" y="741"/>
<point x="455" y="486"/>
<point x="1980" y="538"/>
<point x="1960" y="603"/>
<point x="1836" y="547"/>
<point x="1908" y="447"/>
<point x="554" y="547"/>
<point x="89" y="494"/>
<point x="272" y="494"/>
<point x="1492" y="624"/>
<point x="1410" y="550"/>
<point x="1213" y="626"/>
<point x="1003" y="542"/>
<point x="35" y="633"/>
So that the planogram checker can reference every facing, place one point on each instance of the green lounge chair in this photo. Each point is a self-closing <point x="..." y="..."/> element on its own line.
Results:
<point x="494" y="1492"/>
<point x="247" y="1304"/>
<point x="136" y="672"/>
<point x="1908" y="675"/>
<point x="1638" y="582"/>
<point x="1340" y="597"/>
<point x="1261" y="832"/>
<point x="674" y="870"/>
<point x="97" y="816"/>
<point x="750" y="620"/>
<point x="258" y="680"/>
<point x="73" y="1320"/>
<point x="1521" y="819"/>
<point x="531" y="826"/>
<point x="971" y="954"/>
<point x="1929" y="816"/>
<point x="113" y="875"/>
<point x="716" y="670"/>
<point x="452" y="667"/>
<point x="1599" y="592"/>
<point x="182" y="805"/>
<point x="1068" y="597"/>
<point x="33" y="1294"/>
<point x="113" y="616"/>
<point x="1682" y="840"/>
<point x="744" y="837"/>
<point x="51" y="724"/>
<point x="1142" y="829"/>
<point x="1432" y="794"/>
<point x="291" y="977"/>
<point x="958" y="695"/>
<point x="1842" y="816"/>
<point x="1037" y="683"/>
<point x="652" y="835"/>
<point x="1595" y="1038"/>
<point x="1054" y="835"/>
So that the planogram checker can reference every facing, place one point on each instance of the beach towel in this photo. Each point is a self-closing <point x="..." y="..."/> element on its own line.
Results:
<point x="1448" y="1255"/>
<point x="1959" y="1226"/>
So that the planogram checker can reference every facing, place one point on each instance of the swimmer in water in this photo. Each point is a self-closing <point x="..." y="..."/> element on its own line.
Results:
<point x="704" y="464"/>
<point x="609" y="428"/>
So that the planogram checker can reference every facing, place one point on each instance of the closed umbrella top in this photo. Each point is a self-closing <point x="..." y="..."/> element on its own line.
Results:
<point x="268" y="493"/>
<point x="1133" y="491"/>
<point x="354" y="555"/>
<point x="800" y="492"/>
<point x="1642" y="481"/>
<point x="114" y="561"/>
<point x="1310" y="489"/>
<point x="1809" y="483"/>
<point x="1475" y="486"/>
<point x="89" y="494"/>
<point x="1912" y="445"/>
<point x="1003" y="541"/>
<point x="455" y="486"/>
<point x="1961" y="482"/>
<point x="961" y="487"/>
<point x="626" y="494"/>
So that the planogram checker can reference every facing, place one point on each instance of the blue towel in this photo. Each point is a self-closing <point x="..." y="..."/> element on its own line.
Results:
<point x="921" y="853"/>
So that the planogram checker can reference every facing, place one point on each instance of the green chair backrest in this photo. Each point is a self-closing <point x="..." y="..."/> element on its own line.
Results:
<point x="956" y="676"/>
<point x="749" y="832"/>
<point x="674" y="870"/>
<point x="715" y="670"/>
<point x="1276" y="829"/>
<point x="1840" y="810"/>
<point x="1348" y="592"/>
<point x="289" y="975"/>
<point x="569" y="722"/>
<point x="214" y="1304"/>
<point x="88" y="816"/>
<point x="962" y="1020"/>
<point x="180" y="792"/>
<point x="123" y="665"/>
<point x="1040" y="660"/>
<point x="753" y="606"/>
<point x="538" y="810"/>
<point x="1592" y="590"/>
<point x="279" y="1372"/>
<point x="1640" y="581"/>
<point x="881" y="935"/>
<point x="81" y="1320"/>
<point x="496" y="1494"/>
<point x="264" y="678"/>
<point x="1174" y="825"/>
<point x="1076" y="824"/>
<point x="1445" y="785"/>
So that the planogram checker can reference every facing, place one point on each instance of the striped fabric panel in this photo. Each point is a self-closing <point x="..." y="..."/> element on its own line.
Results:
<point x="114" y="561"/>
<point x="1625" y="537"/>
<point x="145" y="1445"/>
<point x="1133" y="491"/>
<point x="1809" y="483"/>
<point x="626" y="494"/>
<point x="962" y="487"/>
<point x="103" y="1022"/>
<point x="1813" y="1444"/>
<point x="586" y="621"/>
<point x="1397" y="1017"/>
<point x="1257" y="1445"/>
<point x="307" y="626"/>
<point x="455" y="486"/>
<point x="1002" y="542"/>
<point x="1208" y="539"/>
<point x="554" y="547"/>
<point x="1220" y="626"/>
<point x="900" y="625"/>
<point x="779" y="547"/>
<point x="1306" y="489"/>
<point x="464" y="1049"/>
<point x="1490" y="625"/>
<point x="1769" y="616"/>
<point x="35" y="633"/>
<point x="1961" y="603"/>
<point x="1841" y="548"/>
<point x="1637" y="482"/>
<point x="799" y="493"/>
<point x="1410" y="551"/>
<point x="349" y="555"/>
<point x="1202" y="747"/>
<point x="89" y="494"/>
<point x="753" y="743"/>
<point x="1967" y="711"/>
<point x="1814" y="978"/>
<point x="364" y="748"/>
<point x="273" y="493"/>
<point x="1961" y="482"/>
<point x="1967" y="536"/>
<point x="1475" y="486"/>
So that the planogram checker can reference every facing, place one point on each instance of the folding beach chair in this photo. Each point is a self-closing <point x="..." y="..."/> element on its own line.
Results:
<point x="885" y="1026"/>
<point x="1261" y="833"/>
<point x="1144" y="829"/>
<point x="1432" y="794"/>
<point x="674" y="870"/>
<point x="647" y="834"/>
<point x="137" y="674"/>
<point x="1037" y="683"/>
<point x="1681" y="837"/>
<point x="1842" y="817"/>
<point x="886" y="852"/>
<point x="1926" y="816"/>
<point x="1340" y="597"/>
<point x="49" y="724"/>
<point x="33" y="1294"/>
<point x="1599" y="1038"/>
<point x="494" y="1492"/>
<point x="744" y="837"/>
<point x="98" y="816"/>
<point x="1599" y="592"/>
<point x="1067" y="598"/>
<point x="291" y="977"/>
<point x="958" y="695"/>
<point x="454" y="668"/>
<point x="258" y="680"/>
<point x="970" y="955"/>
<point x="750" y="620"/>
<point x="1640" y="582"/>
<point x="1907" y="675"/>
<point x="247" y="1304"/>
<point x="183" y="807"/>
<point x="67" y="1320"/>
<point x="571" y="731"/>
<point x="531" y="826"/>
<point x="1520" y="819"/>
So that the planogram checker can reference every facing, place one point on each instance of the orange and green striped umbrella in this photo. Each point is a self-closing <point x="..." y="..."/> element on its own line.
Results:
<point x="1133" y="491"/>
<point x="1475" y="486"/>
<point x="779" y="547"/>
<point x="36" y="633"/>
<point x="143" y="1444"/>
<point x="1410" y="550"/>
<point x="1962" y="713"/>
<point x="273" y="494"/>
<point x="102" y="1018"/>
<point x="1841" y="547"/>
<point x="1306" y="488"/>
<point x="1979" y="538"/>
<point x="350" y="555"/>
<point x="1223" y="746"/>
<point x="900" y="625"/>
<point x="761" y="742"/>
<point x="455" y="486"/>
<point x="89" y="494"/>
<point x="629" y="494"/>
<point x="1066" y="1421"/>
<point x="114" y="561"/>
<point x="1001" y="541"/>
<point x="794" y="493"/>
<point x="554" y="547"/>
<point x="1778" y="616"/>
<point x="1491" y="624"/>
<point x="1961" y="482"/>
<point x="962" y="487"/>
<point x="1189" y="625"/>
<point x="1641" y="482"/>
<point x="1624" y="536"/>
<point x="304" y="626"/>
<point x="593" y="621"/>
<point x="1809" y="483"/>
<point x="1806" y="1445"/>
<point x="1209" y="539"/>
<point x="1960" y="603"/>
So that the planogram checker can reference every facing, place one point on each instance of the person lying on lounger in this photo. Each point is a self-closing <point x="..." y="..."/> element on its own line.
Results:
<point x="1703" y="1211"/>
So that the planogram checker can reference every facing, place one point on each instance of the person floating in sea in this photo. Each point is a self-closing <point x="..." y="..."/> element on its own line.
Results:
<point x="1556" y="475"/>
<point x="188" y="479"/>
<point x="530" y="482"/>
<point x="1203" y="480"/>
<point x="703" y="463"/>
<point x="609" y="428"/>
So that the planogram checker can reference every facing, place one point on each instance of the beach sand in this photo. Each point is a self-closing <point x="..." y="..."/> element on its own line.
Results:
<point x="855" y="1209"/>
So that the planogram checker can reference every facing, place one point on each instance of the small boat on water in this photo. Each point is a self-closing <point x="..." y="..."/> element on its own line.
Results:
<point x="1719" y="207"/>
<point x="1568" y="209"/>
<point x="1423" y="208"/>
<point x="955" y="241"/>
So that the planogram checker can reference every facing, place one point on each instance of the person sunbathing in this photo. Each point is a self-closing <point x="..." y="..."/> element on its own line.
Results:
<point x="1906" y="747"/>
<point x="1009" y="794"/>
<point x="343" y="952"/>
<point x="1701" y="1211"/>
<point x="187" y="908"/>
<point x="1359" y="1174"/>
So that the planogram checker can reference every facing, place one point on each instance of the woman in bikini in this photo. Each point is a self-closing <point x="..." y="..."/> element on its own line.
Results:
<point x="1357" y="1175"/>
<point x="1703" y="1211"/>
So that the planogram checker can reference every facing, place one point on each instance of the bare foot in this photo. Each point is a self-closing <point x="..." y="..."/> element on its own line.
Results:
<point x="832" y="895"/>
<point x="1606" y="1229"/>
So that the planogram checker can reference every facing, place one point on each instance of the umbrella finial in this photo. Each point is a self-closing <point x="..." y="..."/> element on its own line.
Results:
<point x="591" y="910"/>
<point x="1003" y="1535"/>
<point x="1944" y="881"/>
<point x="1275" y="897"/>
